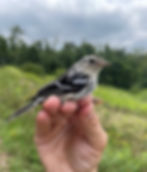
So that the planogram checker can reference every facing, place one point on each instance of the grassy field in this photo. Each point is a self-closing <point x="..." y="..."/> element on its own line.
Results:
<point x="123" y="114"/>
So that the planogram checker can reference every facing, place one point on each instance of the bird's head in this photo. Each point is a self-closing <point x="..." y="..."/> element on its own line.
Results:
<point x="92" y="63"/>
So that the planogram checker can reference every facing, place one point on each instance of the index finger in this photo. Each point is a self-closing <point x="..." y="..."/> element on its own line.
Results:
<point x="52" y="105"/>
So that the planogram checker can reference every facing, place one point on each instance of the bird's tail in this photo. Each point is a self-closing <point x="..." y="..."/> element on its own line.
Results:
<point x="24" y="109"/>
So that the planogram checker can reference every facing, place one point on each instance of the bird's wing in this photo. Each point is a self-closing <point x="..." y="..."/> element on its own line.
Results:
<point x="76" y="82"/>
<point x="66" y="84"/>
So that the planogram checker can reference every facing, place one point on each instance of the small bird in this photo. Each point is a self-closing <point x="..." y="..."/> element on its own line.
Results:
<point x="79" y="81"/>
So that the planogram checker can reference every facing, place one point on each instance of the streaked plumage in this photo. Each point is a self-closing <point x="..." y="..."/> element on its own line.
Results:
<point x="76" y="83"/>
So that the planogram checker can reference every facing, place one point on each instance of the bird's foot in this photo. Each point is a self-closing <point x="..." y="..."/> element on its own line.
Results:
<point x="97" y="101"/>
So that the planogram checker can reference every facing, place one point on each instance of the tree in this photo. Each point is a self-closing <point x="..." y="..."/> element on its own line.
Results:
<point x="15" y="34"/>
<point x="67" y="55"/>
<point x="4" y="58"/>
<point x="123" y="72"/>
<point x="85" y="48"/>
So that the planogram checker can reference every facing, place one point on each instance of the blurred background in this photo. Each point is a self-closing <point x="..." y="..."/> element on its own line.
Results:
<point x="39" y="40"/>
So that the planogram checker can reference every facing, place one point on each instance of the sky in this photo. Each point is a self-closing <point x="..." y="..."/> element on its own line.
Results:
<point x="119" y="23"/>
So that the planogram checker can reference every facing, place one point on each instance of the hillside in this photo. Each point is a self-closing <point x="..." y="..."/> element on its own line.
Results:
<point x="123" y="115"/>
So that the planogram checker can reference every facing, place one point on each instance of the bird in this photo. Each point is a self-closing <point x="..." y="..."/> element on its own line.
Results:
<point x="77" y="82"/>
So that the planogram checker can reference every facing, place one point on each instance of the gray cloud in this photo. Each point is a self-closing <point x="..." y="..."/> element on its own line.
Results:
<point x="118" y="26"/>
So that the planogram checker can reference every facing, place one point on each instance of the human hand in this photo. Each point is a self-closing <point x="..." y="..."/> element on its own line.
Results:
<point x="69" y="136"/>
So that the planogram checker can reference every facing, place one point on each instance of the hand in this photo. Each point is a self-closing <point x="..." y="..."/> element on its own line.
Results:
<point x="69" y="136"/>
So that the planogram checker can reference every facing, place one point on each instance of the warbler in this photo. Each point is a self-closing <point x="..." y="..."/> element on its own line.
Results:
<point x="79" y="81"/>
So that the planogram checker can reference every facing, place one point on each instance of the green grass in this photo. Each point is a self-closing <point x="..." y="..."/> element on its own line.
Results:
<point x="142" y="95"/>
<point x="122" y="114"/>
<point x="123" y="100"/>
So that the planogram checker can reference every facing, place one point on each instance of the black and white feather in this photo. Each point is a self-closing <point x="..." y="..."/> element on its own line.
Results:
<point x="76" y="83"/>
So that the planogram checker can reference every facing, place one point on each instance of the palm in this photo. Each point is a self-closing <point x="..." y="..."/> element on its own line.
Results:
<point x="71" y="144"/>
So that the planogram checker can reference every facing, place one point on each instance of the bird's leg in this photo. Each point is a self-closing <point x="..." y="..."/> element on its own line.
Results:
<point x="97" y="101"/>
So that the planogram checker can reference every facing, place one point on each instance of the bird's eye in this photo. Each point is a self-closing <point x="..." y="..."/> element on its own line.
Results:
<point x="92" y="61"/>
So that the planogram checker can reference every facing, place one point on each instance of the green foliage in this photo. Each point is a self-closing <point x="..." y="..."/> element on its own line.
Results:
<point x="143" y="71"/>
<point x="128" y="70"/>
<point x="114" y="158"/>
<point x="122" y="115"/>
<point x="124" y="71"/>
<point x="127" y="141"/>
<point x="33" y="68"/>
<point x="3" y="51"/>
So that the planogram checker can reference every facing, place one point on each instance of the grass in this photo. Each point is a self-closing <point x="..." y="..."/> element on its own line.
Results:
<point x="123" y="100"/>
<point x="142" y="95"/>
<point x="122" y="114"/>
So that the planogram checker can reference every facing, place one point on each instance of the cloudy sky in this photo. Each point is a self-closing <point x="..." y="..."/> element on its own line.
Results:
<point x="120" y="23"/>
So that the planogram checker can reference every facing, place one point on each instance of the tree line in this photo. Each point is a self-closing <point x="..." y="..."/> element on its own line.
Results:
<point x="128" y="70"/>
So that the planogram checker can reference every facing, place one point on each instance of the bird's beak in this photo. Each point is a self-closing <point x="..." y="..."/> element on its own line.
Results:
<point x="105" y="64"/>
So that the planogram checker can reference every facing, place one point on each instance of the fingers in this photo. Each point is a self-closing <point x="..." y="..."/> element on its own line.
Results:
<point x="90" y="125"/>
<point x="59" y="113"/>
<point x="69" y="108"/>
<point x="86" y="115"/>
<point x="44" y="119"/>
<point x="83" y="102"/>
<point x="52" y="105"/>
<point x="83" y="118"/>
<point x="86" y="110"/>
<point x="42" y="124"/>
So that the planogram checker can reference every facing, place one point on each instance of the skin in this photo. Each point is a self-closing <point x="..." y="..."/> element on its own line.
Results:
<point x="69" y="136"/>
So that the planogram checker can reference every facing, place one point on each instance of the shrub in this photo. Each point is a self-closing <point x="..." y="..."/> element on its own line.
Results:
<point x="33" y="68"/>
